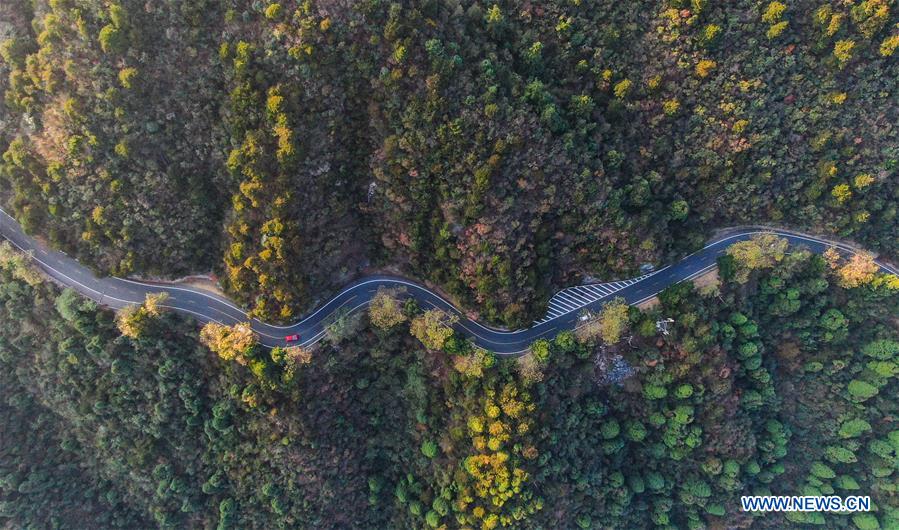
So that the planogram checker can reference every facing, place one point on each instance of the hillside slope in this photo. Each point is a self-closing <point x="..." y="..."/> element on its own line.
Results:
<point x="498" y="150"/>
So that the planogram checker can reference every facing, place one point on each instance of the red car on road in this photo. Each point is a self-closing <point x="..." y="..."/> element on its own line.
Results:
<point x="292" y="338"/>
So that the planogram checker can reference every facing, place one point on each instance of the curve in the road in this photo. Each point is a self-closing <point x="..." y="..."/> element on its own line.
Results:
<point x="565" y="307"/>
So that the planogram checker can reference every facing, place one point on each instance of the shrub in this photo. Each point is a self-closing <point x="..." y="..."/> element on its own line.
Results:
<point x="273" y="11"/>
<point x="839" y="455"/>
<point x="622" y="88"/>
<point x="889" y="45"/>
<point x="841" y="193"/>
<point x="609" y="429"/>
<point x="882" y="350"/>
<point x="821" y="470"/>
<point x="854" y="428"/>
<point x="842" y="50"/>
<point x="705" y="67"/>
<point x="636" y="431"/>
<point x="126" y="76"/>
<point x="671" y="106"/>
<point x="775" y="30"/>
<point x="679" y="210"/>
<point x="112" y="39"/>
<point x="861" y="390"/>
<point x="866" y="521"/>
<point x="684" y="391"/>
<point x="429" y="448"/>
<point x="710" y="32"/>
<point x="773" y="12"/>
<point x="541" y="350"/>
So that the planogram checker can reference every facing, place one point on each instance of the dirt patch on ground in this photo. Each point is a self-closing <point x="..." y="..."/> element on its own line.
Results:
<point x="646" y="305"/>
<point x="201" y="282"/>
<point x="208" y="283"/>
<point x="707" y="283"/>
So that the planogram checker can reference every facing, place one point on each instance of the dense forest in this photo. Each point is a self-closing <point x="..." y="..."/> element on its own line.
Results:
<point x="777" y="376"/>
<point x="496" y="149"/>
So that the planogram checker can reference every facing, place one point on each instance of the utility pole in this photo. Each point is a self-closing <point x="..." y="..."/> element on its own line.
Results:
<point x="662" y="326"/>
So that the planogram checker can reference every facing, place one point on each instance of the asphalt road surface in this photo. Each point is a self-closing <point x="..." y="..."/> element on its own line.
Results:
<point x="565" y="307"/>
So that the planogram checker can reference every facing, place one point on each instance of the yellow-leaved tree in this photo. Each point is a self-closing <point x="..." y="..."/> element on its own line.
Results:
<point x="385" y="310"/>
<point x="613" y="320"/>
<point x="761" y="252"/>
<point x="433" y="328"/>
<point x="859" y="270"/>
<point x="15" y="262"/>
<point x="134" y="320"/>
<point x="494" y="485"/>
<point x="610" y="324"/>
<point x="229" y="342"/>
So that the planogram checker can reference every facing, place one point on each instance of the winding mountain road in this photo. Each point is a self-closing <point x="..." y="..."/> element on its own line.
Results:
<point x="563" y="313"/>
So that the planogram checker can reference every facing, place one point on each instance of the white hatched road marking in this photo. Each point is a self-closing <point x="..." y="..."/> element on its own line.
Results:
<point x="563" y="299"/>
<point x="580" y="298"/>
<point x="587" y="293"/>
<point x="577" y="300"/>
<point x="555" y="309"/>
<point x="562" y="296"/>
<point x="563" y="307"/>
<point x="559" y="305"/>
<point x="594" y="292"/>
<point x="599" y="290"/>
<point x="570" y="306"/>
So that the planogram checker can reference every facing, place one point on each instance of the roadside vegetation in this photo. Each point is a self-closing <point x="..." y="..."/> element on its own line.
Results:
<point x="497" y="149"/>
<point x="781" y="378"/>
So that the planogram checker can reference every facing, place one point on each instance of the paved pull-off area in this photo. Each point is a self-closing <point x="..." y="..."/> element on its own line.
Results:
<point x="563" y="312"/>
